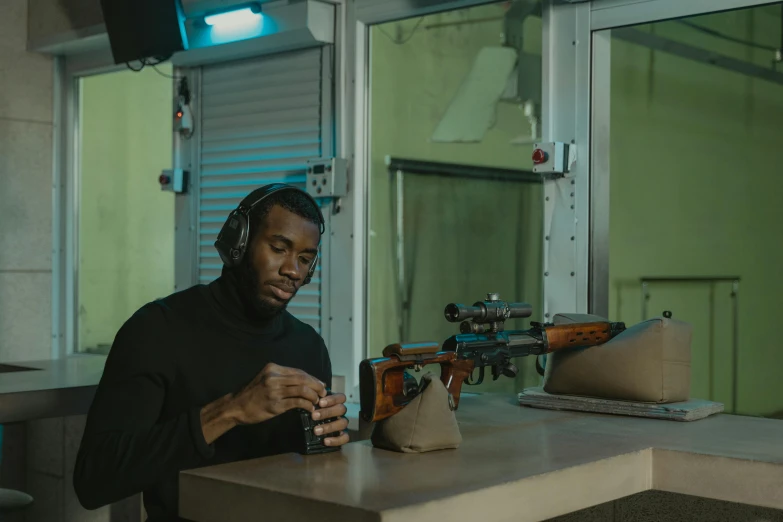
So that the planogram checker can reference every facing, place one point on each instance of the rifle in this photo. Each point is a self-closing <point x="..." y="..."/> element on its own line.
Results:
<point x="385" y="387"/>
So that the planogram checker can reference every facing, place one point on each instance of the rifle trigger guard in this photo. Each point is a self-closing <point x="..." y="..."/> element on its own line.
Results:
<point x="480" y="380"/>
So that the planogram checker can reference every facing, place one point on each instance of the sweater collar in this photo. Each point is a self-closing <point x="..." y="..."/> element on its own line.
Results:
<point x="234" y="306"/>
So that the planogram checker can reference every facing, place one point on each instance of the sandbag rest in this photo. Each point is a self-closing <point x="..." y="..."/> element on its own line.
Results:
<point x="427" y="423"/>
<point x="648" y="362"/>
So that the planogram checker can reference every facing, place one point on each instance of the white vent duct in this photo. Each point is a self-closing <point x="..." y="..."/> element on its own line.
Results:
<point x="499" y="74"/>
<point x="258" y="28"/>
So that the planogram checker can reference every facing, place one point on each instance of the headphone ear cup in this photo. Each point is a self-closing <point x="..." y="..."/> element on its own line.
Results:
<point x="231" y="240"/>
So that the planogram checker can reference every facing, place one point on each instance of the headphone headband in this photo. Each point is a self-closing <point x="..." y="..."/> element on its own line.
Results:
<point x="232" y="240"/>
<point x="250" y="201"/>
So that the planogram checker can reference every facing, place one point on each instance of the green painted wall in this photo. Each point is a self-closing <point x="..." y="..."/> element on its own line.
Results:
<point x="126" y="226"/>
<point x="463" y="238"/>
<point x="696" y="190"/>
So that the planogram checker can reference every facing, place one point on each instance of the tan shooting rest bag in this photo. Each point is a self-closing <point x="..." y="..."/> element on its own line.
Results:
<point x="648" y="362"/>
<point x="427" y="423"/>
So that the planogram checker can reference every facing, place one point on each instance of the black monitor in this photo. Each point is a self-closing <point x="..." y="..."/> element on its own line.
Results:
<point x="141" y="30"/>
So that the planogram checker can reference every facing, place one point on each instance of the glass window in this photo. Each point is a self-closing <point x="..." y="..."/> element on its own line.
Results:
<point x="455" y="211"/>
<point x="696" y="213"/>
<point x="125" y="221"/>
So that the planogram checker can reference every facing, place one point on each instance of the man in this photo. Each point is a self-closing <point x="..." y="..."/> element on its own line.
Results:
<point x="213" y="373"/>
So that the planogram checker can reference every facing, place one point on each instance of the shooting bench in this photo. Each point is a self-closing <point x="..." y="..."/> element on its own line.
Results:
<point x="515" y="463"/>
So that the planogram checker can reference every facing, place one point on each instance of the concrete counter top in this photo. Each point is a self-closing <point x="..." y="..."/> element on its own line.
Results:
<point x="515" y="463"/>
<point x="49" y="388"/>
<point x="59" y="387"/>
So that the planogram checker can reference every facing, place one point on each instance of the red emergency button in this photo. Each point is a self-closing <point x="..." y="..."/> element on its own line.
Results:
<point x="539" y="156"/>
<point x="164" y="179"/>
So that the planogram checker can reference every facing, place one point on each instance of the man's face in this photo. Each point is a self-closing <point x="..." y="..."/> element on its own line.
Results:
<point x="280" y="257"/>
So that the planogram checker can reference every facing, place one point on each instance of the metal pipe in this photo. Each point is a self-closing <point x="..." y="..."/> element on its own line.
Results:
<point x="401" y="253"/>
<point x="688" y="279"/>
<point x="697" y="54"/>
<point x="455" y="170"/>
<point x="465" y="22"/>
<point x="735" y="351"/>
<point x="711" y="337"/>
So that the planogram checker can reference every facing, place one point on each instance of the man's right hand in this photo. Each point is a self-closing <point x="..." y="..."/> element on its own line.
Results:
<point x="275" y="390"/>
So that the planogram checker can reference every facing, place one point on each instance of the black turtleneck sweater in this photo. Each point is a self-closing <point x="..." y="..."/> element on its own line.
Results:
<point x="171" y="358"/>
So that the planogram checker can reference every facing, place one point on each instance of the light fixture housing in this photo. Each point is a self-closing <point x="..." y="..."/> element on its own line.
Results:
<point x="284" y="25"/>
<point x="235" y="16"/>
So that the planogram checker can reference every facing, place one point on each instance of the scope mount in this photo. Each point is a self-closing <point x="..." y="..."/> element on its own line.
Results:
<point x="481" y="325"/>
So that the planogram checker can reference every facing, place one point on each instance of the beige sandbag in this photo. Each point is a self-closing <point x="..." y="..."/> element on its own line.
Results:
<point x="427" y="423"/>
<point x="648" y="362"/>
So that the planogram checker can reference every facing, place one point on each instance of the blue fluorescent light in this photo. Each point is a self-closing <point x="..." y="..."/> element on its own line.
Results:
<point x="237" y="18"/>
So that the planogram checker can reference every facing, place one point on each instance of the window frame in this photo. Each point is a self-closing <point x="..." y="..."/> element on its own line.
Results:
<point x="68" y="70"/>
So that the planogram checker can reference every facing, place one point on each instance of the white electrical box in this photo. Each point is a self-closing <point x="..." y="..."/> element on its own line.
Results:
<point x="327" y="177"/>
<point x="553" y="157"/>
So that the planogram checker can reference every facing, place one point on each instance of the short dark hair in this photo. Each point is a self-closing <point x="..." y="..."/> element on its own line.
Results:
<point x="291" y="200"/>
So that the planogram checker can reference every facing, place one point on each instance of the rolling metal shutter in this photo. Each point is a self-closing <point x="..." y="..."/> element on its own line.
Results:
<point x="261" y="120"/>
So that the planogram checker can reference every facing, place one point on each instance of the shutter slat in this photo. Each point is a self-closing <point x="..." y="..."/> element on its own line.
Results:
<point x="218" y="76"/>
<point x="255" y="179"/>
<point x="260" y="155"/>
<point x="221" y="137"/>
<point x="260" y="123"/>
<point x="297" y="86"/>
<point x="233" y="194"/>
<point x="262" y="142"/>
<point x="262" y="106"/>
<point x="302" y="113"/>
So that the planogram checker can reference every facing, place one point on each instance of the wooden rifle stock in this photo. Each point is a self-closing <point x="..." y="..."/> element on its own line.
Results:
<point x="382" y="379"/>
<point x="575" y="335"/>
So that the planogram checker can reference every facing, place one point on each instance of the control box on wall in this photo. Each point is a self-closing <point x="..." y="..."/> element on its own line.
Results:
<point x="174" y="180"/>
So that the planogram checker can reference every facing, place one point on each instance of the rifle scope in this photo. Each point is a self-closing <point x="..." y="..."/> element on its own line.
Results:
<point x="487" y="311"/>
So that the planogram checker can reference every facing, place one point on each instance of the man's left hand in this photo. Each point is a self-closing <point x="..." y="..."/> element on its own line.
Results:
<point x="332" y="407"/>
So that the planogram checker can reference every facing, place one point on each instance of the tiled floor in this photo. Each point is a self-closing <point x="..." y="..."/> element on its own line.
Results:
<point x="659" y="506"/>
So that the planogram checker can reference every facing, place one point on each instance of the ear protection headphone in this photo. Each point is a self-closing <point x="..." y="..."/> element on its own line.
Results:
<point x="232" y="239"/>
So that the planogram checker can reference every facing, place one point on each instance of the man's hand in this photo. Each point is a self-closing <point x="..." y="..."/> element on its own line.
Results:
<point x="330" y="407"/>
<point x="275" y="390"/>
